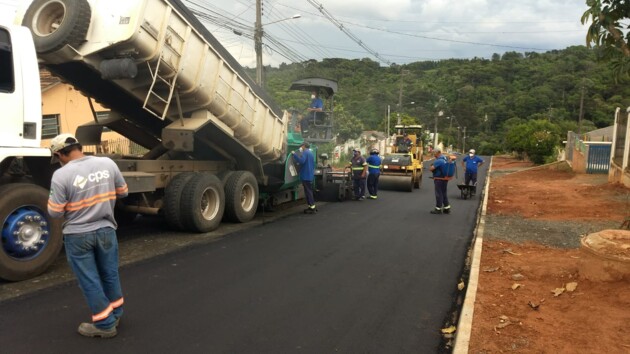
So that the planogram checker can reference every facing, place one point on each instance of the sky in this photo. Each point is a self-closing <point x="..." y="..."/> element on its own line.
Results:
<point x="386" y="31"/>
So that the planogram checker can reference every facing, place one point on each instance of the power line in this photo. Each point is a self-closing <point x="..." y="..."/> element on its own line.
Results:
<point x="294" y="30"/>
<point x="332" y="19"/>
<point x="210" y="14"/>
<point x="453" y="40"/>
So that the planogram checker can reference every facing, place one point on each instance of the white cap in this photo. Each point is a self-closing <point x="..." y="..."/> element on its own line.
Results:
<point x="62" y="141"/>
<point x="472" y="151"/>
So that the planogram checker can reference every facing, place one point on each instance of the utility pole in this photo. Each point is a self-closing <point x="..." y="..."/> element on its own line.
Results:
<point x="388" y="113"/>
<point x="485" y="121"/>
<point x="581" y="111"/>
<point x="464" y="142"/>
<point x="258" y="34"/>
<point x="400" y="94"/>
<point x="435" y="134"/>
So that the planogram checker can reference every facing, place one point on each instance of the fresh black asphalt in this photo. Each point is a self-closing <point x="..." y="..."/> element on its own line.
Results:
<point x="375" y="276"/>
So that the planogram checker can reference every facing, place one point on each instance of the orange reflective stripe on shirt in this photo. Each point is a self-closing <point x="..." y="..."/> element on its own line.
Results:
<point x="88" y="202"/>
<point x="122" y="190"/>
<point x="56" y="207"/>
<point x="116" y="304"/>
<point x="102" y="315"/>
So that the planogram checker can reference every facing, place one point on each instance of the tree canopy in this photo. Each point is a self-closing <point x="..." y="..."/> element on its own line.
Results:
<point x="484" y="98"/>
<point x="606" y="32"/>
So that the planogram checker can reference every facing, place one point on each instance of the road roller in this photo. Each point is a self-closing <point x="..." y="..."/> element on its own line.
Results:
<point x="401" y="170"/>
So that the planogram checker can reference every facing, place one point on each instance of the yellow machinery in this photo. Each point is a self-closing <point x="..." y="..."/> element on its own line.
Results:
<point x="402" y="169"/>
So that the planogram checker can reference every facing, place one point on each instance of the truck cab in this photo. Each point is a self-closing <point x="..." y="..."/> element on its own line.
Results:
<point x="30" y="240"/>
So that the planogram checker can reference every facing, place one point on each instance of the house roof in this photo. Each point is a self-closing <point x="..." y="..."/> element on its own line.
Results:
<point x="603" y="134"/>
<point x="47" y="80"/>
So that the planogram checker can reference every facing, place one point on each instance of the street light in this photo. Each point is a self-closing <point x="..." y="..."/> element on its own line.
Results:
<point x="258" y="34"/>
<point x="435" y="137"/>
<point x="284" y="19"/>
<point x="400" y="107"/>
<point x="397" y="113"/>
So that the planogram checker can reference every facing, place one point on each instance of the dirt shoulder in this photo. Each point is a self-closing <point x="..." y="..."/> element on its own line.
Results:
<point x="534" y="221"/>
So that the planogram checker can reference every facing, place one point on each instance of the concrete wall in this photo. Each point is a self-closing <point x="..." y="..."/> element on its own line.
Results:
<point x="579" y="161"/>
<point x="617" y="175"/>
<point x="620" y="152"/>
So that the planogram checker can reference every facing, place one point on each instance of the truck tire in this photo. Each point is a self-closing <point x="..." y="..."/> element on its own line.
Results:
<point x="202" y="203"/>
<point x="241" y="197"/>
<point x="31" y="240"/>
<point x="223" y="176"/>
<point x="56" y="23"/>
<point x="172" y="200"/>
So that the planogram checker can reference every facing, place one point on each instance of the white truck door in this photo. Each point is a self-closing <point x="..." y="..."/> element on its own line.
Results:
<point x="20" y="92"/>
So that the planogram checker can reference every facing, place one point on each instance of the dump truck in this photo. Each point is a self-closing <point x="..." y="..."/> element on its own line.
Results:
<point x="218" y="146"/>
<point x="401" y="169"/>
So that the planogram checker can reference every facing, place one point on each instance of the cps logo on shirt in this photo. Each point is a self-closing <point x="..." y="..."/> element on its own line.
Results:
<point x="80" y="181"/>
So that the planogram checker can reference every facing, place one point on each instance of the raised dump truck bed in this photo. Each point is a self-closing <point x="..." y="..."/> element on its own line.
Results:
<point x="174" y="89"/>
<point x="152" y="60"/>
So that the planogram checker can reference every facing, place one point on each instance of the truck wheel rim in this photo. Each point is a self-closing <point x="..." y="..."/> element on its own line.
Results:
<point x="49" y="18"/>
<point x="247" y="197"/>
<point x="25" y="233"/>
<point x="210" y="203"/>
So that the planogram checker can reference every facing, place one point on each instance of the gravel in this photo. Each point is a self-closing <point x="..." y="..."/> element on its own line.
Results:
<point x="559" y="234"/>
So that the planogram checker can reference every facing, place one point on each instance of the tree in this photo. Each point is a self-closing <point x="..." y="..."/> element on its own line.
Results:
<point x="347" y="126"/>
<point x="606" y="32"/>
<point x="535" y="138"/>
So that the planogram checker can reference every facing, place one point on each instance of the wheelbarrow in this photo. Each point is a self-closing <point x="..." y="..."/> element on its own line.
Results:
<point x="467" y="190"/>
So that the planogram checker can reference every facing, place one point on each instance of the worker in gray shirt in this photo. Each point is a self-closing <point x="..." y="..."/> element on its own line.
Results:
<point x="84" y="191"/>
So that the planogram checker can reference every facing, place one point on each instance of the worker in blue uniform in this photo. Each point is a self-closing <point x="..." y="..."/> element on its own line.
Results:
<point x="359" y="167"/>
<point x="374" y="171"/>
<point x="306" y="161"/>
<point x="440" y="181"/>
<point x="471" y="163"/>
<point x="316" y="106"/>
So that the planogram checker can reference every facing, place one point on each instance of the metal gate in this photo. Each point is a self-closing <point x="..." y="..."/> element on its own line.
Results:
<point x="598" y="159"/>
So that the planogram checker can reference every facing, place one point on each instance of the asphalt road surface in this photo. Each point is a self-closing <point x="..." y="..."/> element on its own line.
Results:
<point x="375" y="276"/>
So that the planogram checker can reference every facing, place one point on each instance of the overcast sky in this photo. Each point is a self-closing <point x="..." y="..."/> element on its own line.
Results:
<point x="399" y="31"/>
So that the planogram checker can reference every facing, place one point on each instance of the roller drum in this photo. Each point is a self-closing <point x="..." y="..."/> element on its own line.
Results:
<point x="396" y="183"/>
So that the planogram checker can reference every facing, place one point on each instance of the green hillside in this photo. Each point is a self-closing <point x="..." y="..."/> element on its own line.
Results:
<point x="493" y="99"/>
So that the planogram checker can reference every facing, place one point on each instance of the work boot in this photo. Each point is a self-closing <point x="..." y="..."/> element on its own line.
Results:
<point x="90" y="330"/>
<point x="373" y="197"/>
<point x="436" y="211"/>
<point x="446" y="209"/>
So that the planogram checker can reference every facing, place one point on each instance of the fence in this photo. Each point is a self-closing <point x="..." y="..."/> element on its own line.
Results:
<point x="121" y="146"/>
<point x="621" y="149"/>
<point x="588" y="156"/>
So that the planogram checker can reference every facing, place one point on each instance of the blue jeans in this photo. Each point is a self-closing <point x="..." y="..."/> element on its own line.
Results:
<point x="93" y="257"/>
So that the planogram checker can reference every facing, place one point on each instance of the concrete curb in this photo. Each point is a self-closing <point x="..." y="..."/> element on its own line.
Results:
<point x="464" y="324"/>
